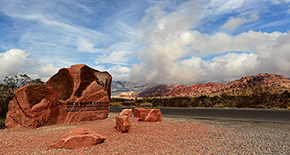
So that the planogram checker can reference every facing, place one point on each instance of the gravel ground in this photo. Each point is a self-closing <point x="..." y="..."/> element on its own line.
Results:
<point x="171" y="136"/>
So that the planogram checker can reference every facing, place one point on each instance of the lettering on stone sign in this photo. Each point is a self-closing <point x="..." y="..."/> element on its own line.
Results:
<point x="87" y="106"/>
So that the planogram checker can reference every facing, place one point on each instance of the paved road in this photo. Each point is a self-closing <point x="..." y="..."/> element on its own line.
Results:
<point x="255" y="115"/>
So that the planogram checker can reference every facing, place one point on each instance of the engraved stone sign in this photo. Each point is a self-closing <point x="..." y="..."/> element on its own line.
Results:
<point x="86" y="106"/>
<point x="74" y="94"/>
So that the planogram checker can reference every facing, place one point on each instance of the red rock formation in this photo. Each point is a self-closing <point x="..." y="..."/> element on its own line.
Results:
<point x="261" y="80"/>
<point x="150" y="115"/>
<point x="74" y="94"/>
<point x="123" y="124"/>
<point x="79" y="137"/>
<point x="126" y="112"/>
<point x="137" y="112"/>
<point x="212" y="87"/>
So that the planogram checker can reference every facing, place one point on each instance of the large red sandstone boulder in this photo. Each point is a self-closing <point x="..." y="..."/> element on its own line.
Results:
<point x="150" y="115"/>
<point x="137" y="112"/>
<point x="126" y="112"/>
<point x="79" y="137"/>
<point x="123" y="124"/>
<point x="74" y="94"/>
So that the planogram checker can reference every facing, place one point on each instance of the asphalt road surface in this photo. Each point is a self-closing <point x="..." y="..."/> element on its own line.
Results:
<point x="254" y="115"/>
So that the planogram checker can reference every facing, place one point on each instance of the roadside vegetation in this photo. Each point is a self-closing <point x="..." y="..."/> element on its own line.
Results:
<point x="7" y="87"/>
<point x="253" y="97"/>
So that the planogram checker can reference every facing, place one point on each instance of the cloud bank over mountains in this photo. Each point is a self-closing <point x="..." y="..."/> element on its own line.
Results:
<point x="162" y="41"/>
<point x="175" y="49"/>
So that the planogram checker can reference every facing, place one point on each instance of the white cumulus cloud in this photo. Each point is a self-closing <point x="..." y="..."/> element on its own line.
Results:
<point x="14" y="62"/>
<point x="122" y="70"/>
<point x="47" y="70"/>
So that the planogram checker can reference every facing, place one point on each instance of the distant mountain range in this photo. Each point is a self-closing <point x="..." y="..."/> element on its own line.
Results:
<point x="127" y="87"/>
<point x="146" y="89"/>
<point x="118" y="87"/>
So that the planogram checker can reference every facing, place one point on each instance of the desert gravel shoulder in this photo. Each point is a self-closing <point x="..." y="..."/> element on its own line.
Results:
<point x="171" y="136"/>
<point x="252" y="137"/>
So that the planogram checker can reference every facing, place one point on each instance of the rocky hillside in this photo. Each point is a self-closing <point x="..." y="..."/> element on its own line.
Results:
<point x="212" y="87"/>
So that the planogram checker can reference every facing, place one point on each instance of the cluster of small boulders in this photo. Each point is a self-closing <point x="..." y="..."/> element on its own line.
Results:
<point x="148" y="115"/>
<point x="85" y="137"/>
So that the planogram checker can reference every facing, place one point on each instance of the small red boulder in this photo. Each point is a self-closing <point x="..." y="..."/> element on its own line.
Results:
<point x="79" y="137"/>
<point x="150" y="115"/>
<point x="123" y="124"/>
<point x="126" y="112"/>
<point x="137" y="112"/>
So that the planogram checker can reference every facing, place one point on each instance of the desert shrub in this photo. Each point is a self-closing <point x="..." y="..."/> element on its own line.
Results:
<point x="128" y="103"/>
<point x="201" y="97"/>
<point x="2" y="124"/>
<point x="206" y="103"/>
<point x="4" y="101"/>
<point x="286" y="94"/>
<point x="194" y="103"/>
<point x="242" y="101"/>
<point x="218" y="106"/>
<point x="157" y="102"/>
<point x="180" y="101"/>
<point x="167" y="102"/>
<point x="138" y="101"/>
<point x="134" y="104"/>
<point x="146" y="104"/>
<point x="115" y="104"/>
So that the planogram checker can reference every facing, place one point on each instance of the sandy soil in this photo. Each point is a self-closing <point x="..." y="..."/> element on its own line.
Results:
<point x="171" y="136"/>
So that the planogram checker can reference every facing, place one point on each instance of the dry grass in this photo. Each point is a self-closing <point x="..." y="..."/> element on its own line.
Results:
<point x="115" y="104"/>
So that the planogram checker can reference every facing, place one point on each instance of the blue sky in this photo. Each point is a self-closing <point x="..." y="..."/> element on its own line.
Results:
<point x="170" y="41"/>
